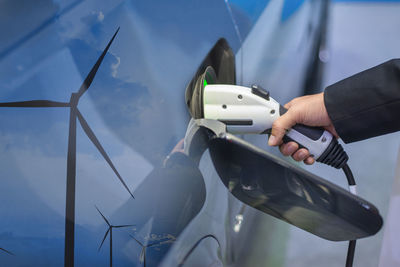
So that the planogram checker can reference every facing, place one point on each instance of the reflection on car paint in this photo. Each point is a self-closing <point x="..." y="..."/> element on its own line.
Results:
<point x="109" y="231"/>
<point x="6" y="251"/>
<point x="246" y="13"/>
<point x="165" y="202"/>
<point x="236" y="25"/>
<point x="151" y="60"/>
<point x="184" y="259"/>
<point x="71" y="160"/>
<point x="289" y="8"/>
<point x="152" y="241"/>
<point x="297" y="187"/>
<point x="15" y="45"/>
<point x="291" y="194"/>
<point x="238" y="223"/>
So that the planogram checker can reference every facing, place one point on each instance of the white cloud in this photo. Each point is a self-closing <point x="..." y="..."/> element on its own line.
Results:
<point x="100" y="16"/>
<point x="114" y="67"/>
<point x="96" y="184"/>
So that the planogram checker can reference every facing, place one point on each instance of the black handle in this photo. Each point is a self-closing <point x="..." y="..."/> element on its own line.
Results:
<point x="330" y="153"/>
<point x="313" y="133"/>
<point x="287" y="139"/>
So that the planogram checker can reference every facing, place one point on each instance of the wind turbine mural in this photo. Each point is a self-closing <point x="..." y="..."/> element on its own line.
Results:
<point x="109" y="230"/>
<point x="142" y="257"/>
<point x="71" y="158"/>
<point x="6" y="251"/>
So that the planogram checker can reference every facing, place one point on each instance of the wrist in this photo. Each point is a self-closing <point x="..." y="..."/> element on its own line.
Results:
<point x="330" y="126"/>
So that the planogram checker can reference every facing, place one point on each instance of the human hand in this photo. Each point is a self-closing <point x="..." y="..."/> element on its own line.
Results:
<point x="308" y="110"/>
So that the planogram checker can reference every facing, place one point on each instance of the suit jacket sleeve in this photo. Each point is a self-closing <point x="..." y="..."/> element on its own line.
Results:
<point x="366" y="104"/>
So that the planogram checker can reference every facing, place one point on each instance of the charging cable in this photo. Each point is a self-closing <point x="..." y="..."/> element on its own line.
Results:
<point x="352" y="189"/>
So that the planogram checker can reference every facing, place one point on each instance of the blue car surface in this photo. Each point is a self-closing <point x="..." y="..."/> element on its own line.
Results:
<point x="93" y="117"/>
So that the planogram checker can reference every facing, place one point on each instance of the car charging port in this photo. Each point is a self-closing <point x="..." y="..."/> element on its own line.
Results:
<point x="217" y="67"/>
<point x="195" y="101"/>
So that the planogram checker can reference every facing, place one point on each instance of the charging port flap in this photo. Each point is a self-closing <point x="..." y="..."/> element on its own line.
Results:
<point x="291" y="194"/>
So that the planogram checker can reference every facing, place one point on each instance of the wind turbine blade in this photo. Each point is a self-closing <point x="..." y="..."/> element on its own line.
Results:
<point x="6" y="251"/>
<point x="154" y="244"/>
<point x="103" y="216"/>
<point x="96" y="142"/>
<point x="137" y="241"/>
<point x="89" y="78"/>
<point x="121" y="226"/>
<point x="34" y="104"/>
<point x="105" y="236"/>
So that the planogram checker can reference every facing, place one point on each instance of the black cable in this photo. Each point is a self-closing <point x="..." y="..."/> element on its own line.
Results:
<point x="352" y="243"/>
<point x="349" y="174"/>
<point x="350" y="253"/>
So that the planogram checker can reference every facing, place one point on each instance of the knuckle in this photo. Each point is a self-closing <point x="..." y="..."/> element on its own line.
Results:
<point x="301" y="154"/>
<point x="285" y="151"/>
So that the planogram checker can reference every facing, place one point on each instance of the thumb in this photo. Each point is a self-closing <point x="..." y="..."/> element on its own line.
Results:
<point x="279" y="128"/>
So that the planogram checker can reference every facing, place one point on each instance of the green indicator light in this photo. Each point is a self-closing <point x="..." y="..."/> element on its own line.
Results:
<point x="205" y="83"/>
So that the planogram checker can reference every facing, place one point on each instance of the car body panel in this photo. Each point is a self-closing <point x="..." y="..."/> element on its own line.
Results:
<point x="135" y="107"/>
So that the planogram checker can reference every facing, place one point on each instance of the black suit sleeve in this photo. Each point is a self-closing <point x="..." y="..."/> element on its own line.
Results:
<point x="366" y="104"/>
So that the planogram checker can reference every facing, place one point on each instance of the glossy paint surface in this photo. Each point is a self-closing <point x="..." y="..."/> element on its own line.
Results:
<point x="135" y="108"/>
<point x="291" y="194"/>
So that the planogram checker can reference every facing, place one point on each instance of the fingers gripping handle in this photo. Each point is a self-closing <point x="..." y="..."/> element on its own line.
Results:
<point x="319" y="142"/>
<point x="305" y="137"/>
